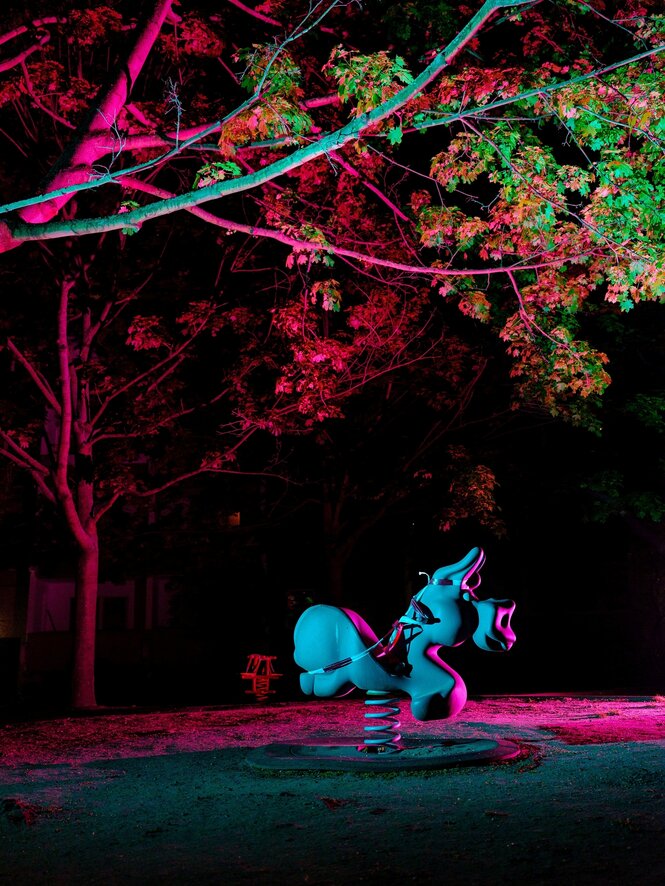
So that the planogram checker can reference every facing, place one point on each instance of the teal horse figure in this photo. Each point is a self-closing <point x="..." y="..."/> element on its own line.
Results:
<point x="339" y="651"/>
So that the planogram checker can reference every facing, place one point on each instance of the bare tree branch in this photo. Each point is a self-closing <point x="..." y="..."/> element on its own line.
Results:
<point x="255" y="14"/>
<point x="209" y="470"/>
<point x="369" y="185"/>
<point x="39" y="43"/>
<point x="37" y="475"/>
<point x="35" y="375"/>
<point x="38" y="102"/>
<point x="100" y="511"/>
<point x="173" y="357"/>
<point x="19" y="455"/>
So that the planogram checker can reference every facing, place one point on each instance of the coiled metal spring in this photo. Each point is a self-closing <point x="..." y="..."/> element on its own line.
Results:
<point x="381" y="737"/>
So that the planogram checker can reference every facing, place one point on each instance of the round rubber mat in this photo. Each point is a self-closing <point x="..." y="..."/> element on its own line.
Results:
<point x="421" y="753"/>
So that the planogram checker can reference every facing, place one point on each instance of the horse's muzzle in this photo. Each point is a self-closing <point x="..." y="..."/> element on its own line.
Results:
<point x="494" y="632"/>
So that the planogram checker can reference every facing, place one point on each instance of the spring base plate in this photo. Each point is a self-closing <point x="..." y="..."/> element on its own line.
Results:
<point x="417" y="753"/>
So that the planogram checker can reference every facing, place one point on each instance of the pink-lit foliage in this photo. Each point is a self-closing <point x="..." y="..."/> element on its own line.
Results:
<point x="345" y="256"/>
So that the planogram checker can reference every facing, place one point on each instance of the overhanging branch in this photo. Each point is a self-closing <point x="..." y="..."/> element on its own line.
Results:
<point x="331" y="142"/>
<point x="366" y="258"/>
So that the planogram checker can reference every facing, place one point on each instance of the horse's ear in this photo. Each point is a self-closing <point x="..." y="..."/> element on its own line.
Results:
<point x="472" y="580"/>
<point x="463" y="569"/>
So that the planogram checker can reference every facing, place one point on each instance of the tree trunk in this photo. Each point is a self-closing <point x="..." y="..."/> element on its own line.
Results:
<point x="93" y="138"/>
<point x="83" y="676"/>
<point x="87" y="585"/>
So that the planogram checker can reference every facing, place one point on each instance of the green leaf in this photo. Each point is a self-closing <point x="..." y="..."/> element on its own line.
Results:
<point x="395" y="135"/>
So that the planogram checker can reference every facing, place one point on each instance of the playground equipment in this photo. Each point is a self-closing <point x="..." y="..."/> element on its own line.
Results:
<point x="338" y="652"/>
<point x="260" y="671"/>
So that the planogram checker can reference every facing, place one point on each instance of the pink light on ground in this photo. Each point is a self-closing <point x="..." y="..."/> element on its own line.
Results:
<point x="110" y="735"/>
<point x="167" y="793"/>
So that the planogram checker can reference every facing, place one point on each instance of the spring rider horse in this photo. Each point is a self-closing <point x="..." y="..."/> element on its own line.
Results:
<point x="339" y="652"/>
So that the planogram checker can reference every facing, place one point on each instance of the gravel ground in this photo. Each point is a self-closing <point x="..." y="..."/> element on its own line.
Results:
<point x="165" y="796"/>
